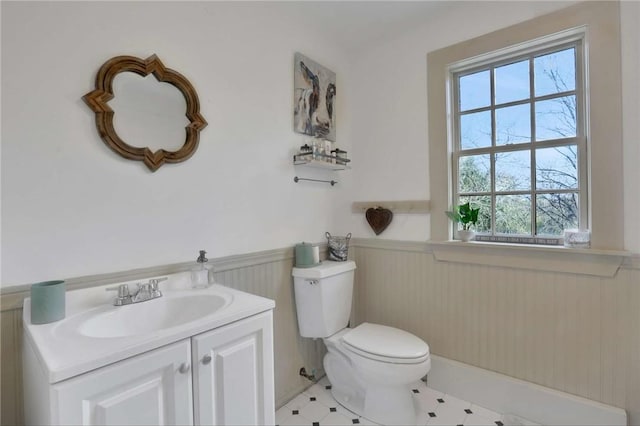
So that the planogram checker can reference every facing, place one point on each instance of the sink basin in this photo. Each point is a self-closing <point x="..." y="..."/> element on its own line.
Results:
<point x="94" y="333"/>
<point x="150" y="316"/>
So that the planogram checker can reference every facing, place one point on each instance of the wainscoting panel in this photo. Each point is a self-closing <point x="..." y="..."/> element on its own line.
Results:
<point x="273" y="280"/>
<point x="266" y="274"/>
<point x="11" y="369"/>
<point x="575" y="333"/>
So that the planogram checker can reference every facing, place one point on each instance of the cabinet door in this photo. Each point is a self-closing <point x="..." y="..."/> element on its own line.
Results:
<point x="153" y="388"/>
<point x="233" y="373"/>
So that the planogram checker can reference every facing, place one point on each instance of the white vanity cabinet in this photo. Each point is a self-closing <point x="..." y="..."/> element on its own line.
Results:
<point x="233" y="374"/>
<point x="153" y="388"/>
<point x="222" y="376"/>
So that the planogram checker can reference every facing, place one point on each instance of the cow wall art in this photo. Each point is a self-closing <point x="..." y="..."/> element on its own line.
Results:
<point x="314" y="99"/>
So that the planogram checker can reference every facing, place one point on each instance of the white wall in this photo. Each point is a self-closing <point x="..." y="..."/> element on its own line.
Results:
<point x="390" y="125"/>
<point x="72" y="207"/>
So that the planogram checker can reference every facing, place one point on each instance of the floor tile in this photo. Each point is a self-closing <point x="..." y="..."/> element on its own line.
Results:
<point x="316" y="406"/>
<point x="447" y="419"/>
<point x="335" y="419"/>
<point x="512" y="420"/>
<point x="315" y="411"/>
<point x="298" y="402"/>
<point x="422" y="418"/>
<point x="425" y="402"/>
<point x="449" y="414"/>
<point x="295" y="420"/>
<point x="430" y="393"/>
<point x="484" y="412"/>
<point x="452" y="401"/>
<point x="283" y="414"/>
<point x="478" y="420"/>
<point x="321" y="394"/>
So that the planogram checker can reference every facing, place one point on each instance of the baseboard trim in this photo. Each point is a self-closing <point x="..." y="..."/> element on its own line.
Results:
<point x="304" y="385"/>
<point x="507" y="395"/>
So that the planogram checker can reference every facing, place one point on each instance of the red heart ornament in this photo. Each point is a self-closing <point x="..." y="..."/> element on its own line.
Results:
<point x="379" y="218"/>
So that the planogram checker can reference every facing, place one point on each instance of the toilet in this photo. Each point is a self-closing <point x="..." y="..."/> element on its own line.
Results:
<point x="371" y="367"/>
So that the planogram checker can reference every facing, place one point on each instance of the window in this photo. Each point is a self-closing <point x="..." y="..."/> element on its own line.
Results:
<point x="519" y="146"/>
<point x="594" y="27"/>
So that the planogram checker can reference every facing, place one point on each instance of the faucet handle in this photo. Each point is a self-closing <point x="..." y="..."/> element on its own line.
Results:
<point x="123" y="290"/>
<point x="155" y="291"/>
<point x="142" y="293"/>
<point x="124" y="297"/>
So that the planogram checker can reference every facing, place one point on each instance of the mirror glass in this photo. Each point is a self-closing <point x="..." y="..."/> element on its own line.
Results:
<point x="148" y="113"/>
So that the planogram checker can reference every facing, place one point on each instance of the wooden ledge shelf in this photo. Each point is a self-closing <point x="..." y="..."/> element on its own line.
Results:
<point x="600" y="263"/>
<point x="399" y="207"/>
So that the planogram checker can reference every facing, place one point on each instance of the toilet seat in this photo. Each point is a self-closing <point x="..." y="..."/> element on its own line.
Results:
<point x="386" y="344"/>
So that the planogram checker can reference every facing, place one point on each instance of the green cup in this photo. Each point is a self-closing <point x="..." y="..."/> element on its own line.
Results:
<point x="47" y="302"/>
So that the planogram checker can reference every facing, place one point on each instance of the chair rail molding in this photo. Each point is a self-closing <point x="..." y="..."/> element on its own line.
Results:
<point x="601" y="263"/>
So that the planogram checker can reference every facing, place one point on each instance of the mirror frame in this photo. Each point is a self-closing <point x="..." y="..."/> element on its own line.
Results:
<point x="97" y="100"/>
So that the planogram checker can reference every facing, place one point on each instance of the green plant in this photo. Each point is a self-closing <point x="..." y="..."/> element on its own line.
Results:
<point x="464" y="215"/>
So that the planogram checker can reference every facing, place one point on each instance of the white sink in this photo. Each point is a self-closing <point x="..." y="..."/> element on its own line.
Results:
<point x="150" y="316"/>
<point x="95" y="333"/>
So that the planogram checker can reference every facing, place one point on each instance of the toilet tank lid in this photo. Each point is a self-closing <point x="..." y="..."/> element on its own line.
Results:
<point x="327" y="268"/>
<point x="386" y="341"/>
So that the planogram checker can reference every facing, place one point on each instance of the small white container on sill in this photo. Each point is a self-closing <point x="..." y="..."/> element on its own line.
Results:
<point x="575" y="238"/>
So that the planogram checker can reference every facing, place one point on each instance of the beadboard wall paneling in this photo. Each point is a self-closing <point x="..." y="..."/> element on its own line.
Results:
<point x="11" y="367"/>
<point x="266" y="274"/>
<point x="273" y="280"/>
<point x="575" y="333"/>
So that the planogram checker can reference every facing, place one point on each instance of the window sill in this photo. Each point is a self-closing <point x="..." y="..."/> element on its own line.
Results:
<point x="601" y="263"/>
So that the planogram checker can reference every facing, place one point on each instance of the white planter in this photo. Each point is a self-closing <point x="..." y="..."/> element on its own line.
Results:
<point x="466" y="235"/>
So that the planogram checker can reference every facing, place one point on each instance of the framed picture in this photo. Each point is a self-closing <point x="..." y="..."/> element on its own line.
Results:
<point x="314" y="99"/>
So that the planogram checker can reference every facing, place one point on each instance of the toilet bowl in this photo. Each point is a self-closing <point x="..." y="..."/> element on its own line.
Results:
<point x="371" y="367"/>
<point x="372" y="376"/>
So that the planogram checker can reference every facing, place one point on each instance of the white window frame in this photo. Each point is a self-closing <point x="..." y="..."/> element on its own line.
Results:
<point x="604" y="93"/>
<point x="574" y="38"/>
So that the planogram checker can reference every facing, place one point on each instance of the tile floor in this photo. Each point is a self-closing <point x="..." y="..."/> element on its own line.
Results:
<point x="316" y="407"/>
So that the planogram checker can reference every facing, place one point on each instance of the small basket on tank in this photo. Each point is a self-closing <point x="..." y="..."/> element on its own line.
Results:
<point x="338" y="247"/>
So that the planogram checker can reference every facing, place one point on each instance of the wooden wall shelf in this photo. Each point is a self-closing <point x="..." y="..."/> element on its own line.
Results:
<point x="399" y="207"/>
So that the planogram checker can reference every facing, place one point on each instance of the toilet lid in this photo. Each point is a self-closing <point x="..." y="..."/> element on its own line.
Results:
<point x="386" y="342"/>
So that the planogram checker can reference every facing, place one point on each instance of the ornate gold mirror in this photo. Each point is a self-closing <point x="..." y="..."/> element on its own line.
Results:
<point x="135" y="99"/>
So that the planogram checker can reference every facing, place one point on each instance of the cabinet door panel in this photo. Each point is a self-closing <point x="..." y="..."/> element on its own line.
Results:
<point x="147" y="389"/>
<point x="233" y="373"/>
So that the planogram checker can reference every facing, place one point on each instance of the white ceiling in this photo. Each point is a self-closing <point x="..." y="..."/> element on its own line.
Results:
<point x="355" y="24"/>
<point x="360" y="23"/>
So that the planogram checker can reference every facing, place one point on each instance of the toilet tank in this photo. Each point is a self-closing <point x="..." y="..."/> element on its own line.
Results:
<point x="323" y="297"/>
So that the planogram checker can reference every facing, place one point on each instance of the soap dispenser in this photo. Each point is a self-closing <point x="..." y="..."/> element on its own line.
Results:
<point x="202" y="273"/>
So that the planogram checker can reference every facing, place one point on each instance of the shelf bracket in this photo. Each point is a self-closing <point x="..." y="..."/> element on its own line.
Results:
<point x="298" y="179"/>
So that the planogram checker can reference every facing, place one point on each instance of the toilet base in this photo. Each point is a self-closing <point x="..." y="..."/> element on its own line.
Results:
<point x="353" y="403"/>
<point x="347" y="389"/>
<point x="383" y="406"/>
<point x="390" y="406"/>
<point x="387" y="405"/>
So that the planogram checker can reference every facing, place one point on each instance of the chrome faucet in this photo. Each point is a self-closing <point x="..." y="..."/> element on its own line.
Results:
<point x="144" y="292"/>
